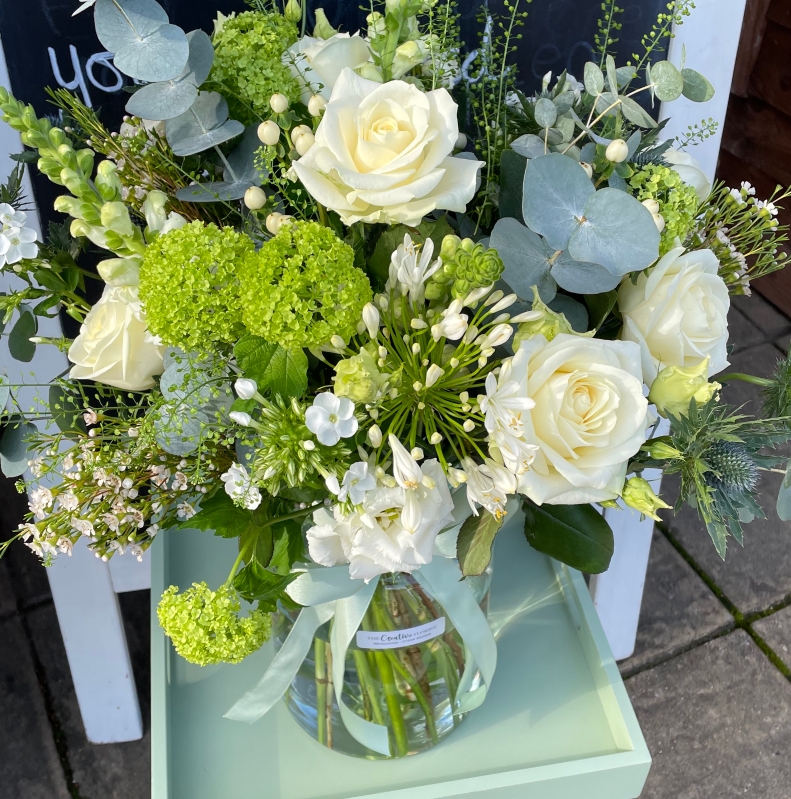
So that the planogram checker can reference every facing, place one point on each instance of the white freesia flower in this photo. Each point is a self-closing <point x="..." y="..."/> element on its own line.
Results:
<point x="589" y="418"/>
<point x="677" y="313"/>
<point x="331" y="418"/>
<point x="393" y="530"/>
<point x="383" y="153"/>
<point x="356" y="482"/>
<point x="488" y="486"/>
<point x="115" y="346"/>
<point x="239" y="487"/>
<point x="690" y="171"/>
<point x="410" y="267"/>
<point x="317" y="63"/>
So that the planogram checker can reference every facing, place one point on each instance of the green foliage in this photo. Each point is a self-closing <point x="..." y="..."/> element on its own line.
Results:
<point x="466" y="265"/>
<point x="273" y="367"/>
<point x="678" y="201"/>
<point x="205" y="625"/>
<point x="256" y="584"/>
<point x="14" y="454"/>
<point x="777" y="391"/>
<point x="302" y="288"/>
<point x="248" y="65"/>
<point x="607" y="26"/>
<point x="189" y="287"/>
<point x="476" y="538"/>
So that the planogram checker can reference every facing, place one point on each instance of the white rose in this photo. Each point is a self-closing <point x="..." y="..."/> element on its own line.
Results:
<point x="589" y="418"/>
<point x="690" y="171"/>
<point x="115" y="346"/>
<point x="317" y="63"/>
<point x="677" y="312"/>
<point x="383" y="153"/>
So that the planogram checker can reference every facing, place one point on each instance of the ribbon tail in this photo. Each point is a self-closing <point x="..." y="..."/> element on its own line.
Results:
<point x="444" y="579"/>
<point x="349" y="615"/>
<point x="278" y="677"/>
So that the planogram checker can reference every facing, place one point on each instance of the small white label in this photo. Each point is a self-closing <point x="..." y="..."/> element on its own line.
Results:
<point x="394" y="639"/>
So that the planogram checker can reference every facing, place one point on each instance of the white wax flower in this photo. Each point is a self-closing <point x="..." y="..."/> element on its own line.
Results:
<point x="392" y="530"/>
<point x="383" y="153"/>
<point x="331" y="418"/>
<point x="589" y="418"/>
<point x="239" y="487"/>
<point x="677" y="312"/>
<point x="115" y="346"/>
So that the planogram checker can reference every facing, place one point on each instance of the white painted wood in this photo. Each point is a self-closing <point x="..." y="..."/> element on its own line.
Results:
<point x="83" y="589"/>
<point x="711" y="36"/>
<point x="129" y="574"/>
<point x="618" y="593"/>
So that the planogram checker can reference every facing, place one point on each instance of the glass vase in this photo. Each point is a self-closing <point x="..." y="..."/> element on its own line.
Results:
<point x="411" y="689"/>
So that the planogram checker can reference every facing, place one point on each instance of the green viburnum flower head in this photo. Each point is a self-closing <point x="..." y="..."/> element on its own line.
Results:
<point x="678" y="201"/>
<point x="189" y="288"/>
<point x="205" y="625"/>
<point x="247" y="61"/>
<point x="302" y="288"/>
<point x="358" y="377"/>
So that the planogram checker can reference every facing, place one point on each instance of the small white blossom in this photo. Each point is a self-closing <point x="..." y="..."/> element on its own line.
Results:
<point x="239" y="487"/>
<point x="489" y="486"/>
<point x="406" y="470"/>
<point x="411" y="267"/>
<point x="83" y="527"/>
<point x="356" y="482"/>
<point x="180" y="482"/>
<point x="185" y="511"/>
<point x="90" y="417"/>
<point x="331" y="418"/>
<point x="68" y="501"/>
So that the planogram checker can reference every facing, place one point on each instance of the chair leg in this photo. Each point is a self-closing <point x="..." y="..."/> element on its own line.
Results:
<point x="93" y="633"/>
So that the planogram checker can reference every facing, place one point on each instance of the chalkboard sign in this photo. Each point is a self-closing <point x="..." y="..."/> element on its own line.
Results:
<point x="46" y="46"/>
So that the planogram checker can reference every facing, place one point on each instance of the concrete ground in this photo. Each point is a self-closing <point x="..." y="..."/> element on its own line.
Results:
<point x="710" y="678"/>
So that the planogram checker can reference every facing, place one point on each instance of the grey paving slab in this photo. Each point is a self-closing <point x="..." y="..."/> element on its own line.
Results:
<point x="776" y="631"/>
<point x="763" y="315"/>
<point x="742" y="333"/>
<point x="110" y="771"/>
<point x="717" y="721"/>
<point x="678" y="609"/>
<point x="29" y="764"/>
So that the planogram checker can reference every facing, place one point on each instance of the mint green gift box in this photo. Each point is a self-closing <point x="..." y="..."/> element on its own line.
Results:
<point x="557" y="723"/>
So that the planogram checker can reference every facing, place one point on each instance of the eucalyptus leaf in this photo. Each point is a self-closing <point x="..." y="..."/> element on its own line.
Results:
<point x="526" y="257"/>
<point x="204" y="125"/>
<point x="612" y="75"/>
<point x="545" y="112"/>
<point x="607" y="104"/>
<point x="593" y="79"/>
<point x="169" y="99"/>
<point x="512" y="178"/>
<point x="633" y="143"/>
<point x="214" y="192"/>
<point x="636" y="114"/>
<point x="144" y="45"/>
<point x="668" y="84"/>
<point x="618" y="232"/>
<point x="575" y="312"/>
<point x="576" y="535"/>
<point x="582" y="278"/>
<point x="625" y="76"/>
<point x="19" y="344"/>
<point x="240" y="166"/>
<point x="529" y="146"/>
<point x="14" y="454"/>
<point x="615" y="181"/>
<point x="556" y="189"/>
<point x="696" y="87"/>
<point x="784" y="497"/>
<point x="564" y="102"/>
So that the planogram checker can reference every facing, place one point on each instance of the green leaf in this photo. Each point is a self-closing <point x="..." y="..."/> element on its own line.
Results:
<point x="612" y="75"/>
<point x="696" y="87"/>
<point x="575" y="312"/>
<point x="576" y="535"/>
<point x="636" y="114"/>
<point x="512" y="178"/>
<point x="784" y="497"/>
<point x="556" y="189"/>
<point x="667" y="81"/>
<point x="19" y="344"/>
<point x="256" y="584"/>
<point x="205" y="125"/>
<point x="289" y="546"/>
<point x="273" y="367"/>
<point x="599" y="307"/>
<point x="67" y="409"/>
<point x="256" y="541"/>
<point x="545" y="112"/>
<point x="145" y="46"/>
<point x="474" y="546"/>
<point x="593" y="79"/>
<point x="219" y="515"/>
<point x="13" y="446"/>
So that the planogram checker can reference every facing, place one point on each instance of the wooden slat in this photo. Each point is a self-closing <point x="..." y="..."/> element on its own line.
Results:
<point x="771" y="78"/>
<point x="780" y="12"/>
<point x="750" y="41"/>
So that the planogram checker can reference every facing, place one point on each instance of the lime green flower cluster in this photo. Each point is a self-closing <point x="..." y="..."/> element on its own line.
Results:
<point x="205" y="625"/>
<point x="302" y="287"/>
<point x="678" y="201"/>
<point x="358" y="377"/>
<point x="189" y="288"/>
<point x="247" y="62"/>
<point x="465" y="266"/>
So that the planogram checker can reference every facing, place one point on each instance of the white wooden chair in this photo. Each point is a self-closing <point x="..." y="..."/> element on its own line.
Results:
<point x="84" y="588"/>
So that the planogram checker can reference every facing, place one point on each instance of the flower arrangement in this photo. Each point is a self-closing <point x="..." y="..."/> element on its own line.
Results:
<point x="357" y="330"/>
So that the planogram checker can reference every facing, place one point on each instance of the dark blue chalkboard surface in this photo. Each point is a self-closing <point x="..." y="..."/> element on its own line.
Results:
<point x="46" y="46"/>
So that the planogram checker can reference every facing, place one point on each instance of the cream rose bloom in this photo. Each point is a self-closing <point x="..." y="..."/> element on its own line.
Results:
<point x="589" y="417"/>
<point x="317" y="63"/>
<point x="115" y="346"/>
<point x="677" y="312"/>
<point x="690" y="171"/>
<point x="383" y="153"/>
